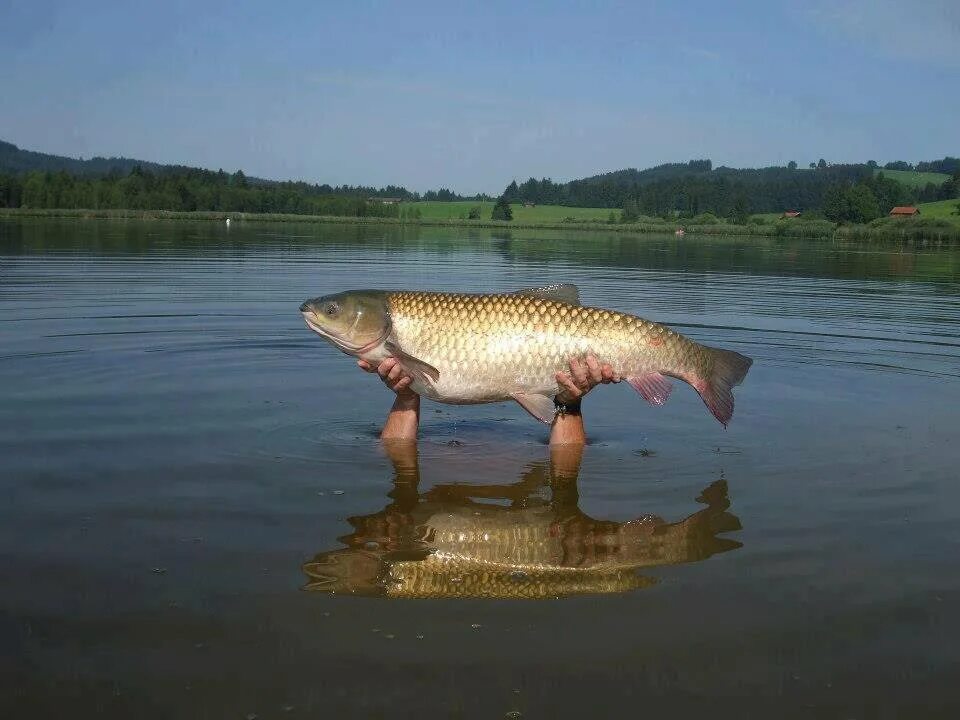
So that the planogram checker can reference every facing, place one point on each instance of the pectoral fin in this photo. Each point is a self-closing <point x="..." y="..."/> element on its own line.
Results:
<point x="654" y="387"/>
<point x="561" y="292"/>
<point x="417" y="368"/>
<point x="540" y="406"/>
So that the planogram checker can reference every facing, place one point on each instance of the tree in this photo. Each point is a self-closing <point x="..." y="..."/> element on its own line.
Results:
<point x="835" y="205"/>
<point x="512" y="193"/>
<point x="862" y="203"/>
<point x="502" y="211"/>
<point x="792" y="165"/>
<point x="821" y="164"/>
<point x="474" y="213"/>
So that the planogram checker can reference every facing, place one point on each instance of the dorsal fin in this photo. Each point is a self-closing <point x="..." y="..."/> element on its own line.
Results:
<point x="561" y="292"/>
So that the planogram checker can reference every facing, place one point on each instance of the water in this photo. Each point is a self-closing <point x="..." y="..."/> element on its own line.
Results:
<point x="198" y="520"/>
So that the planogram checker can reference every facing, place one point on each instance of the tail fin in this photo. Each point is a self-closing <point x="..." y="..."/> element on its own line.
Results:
<point x="729" y="369"/>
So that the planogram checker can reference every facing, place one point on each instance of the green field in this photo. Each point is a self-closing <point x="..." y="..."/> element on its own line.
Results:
<point x="541" y="213"/>
<point x="914" y="179"/>
<point x="943" y="209"/>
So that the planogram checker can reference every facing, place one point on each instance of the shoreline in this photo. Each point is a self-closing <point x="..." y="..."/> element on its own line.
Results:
<point x="809" y="230"/>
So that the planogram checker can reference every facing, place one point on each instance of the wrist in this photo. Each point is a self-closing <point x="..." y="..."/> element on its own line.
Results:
<point x="406" y="401"/>
<point x="571" y="407"/>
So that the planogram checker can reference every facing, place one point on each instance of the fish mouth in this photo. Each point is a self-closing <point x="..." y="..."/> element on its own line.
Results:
<point x="347" y="347"/>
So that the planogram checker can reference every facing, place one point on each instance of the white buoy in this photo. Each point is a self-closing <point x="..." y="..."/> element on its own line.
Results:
<point x="228" y="222"/>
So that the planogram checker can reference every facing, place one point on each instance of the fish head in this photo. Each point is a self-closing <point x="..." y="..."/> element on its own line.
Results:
<point x="355" y="321"/>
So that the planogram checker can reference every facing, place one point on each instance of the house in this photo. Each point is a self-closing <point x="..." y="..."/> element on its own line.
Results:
<point x="527" y="203"/>
<point x="791" y="213"/>
<point x="386" y="201"/>
<point x="904" y="211"/>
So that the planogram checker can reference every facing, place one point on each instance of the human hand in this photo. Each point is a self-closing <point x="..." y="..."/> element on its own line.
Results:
<point x="393" y="376"/>
<point x="583" y="377"/>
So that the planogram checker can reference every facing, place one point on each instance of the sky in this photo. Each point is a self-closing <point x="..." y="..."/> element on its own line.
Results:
<point x="471" y="95"/>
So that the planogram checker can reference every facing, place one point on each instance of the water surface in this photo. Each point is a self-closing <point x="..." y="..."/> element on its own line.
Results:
<point x="198" y="520"/>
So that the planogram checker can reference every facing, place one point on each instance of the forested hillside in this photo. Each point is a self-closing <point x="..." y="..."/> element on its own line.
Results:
<point x="185" y="191"/>
<point x="696" y="187"/>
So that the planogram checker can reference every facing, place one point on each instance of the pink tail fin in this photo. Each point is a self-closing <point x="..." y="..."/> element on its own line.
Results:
<point x="729" y="369"/>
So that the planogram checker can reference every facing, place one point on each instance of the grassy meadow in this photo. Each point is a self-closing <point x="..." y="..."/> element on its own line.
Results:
<point x="942" y="209"/>
<point x="914" y="179"/>
<point x="439" y="210"/>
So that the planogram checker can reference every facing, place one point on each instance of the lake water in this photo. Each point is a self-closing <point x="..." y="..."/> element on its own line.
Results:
<point x="199" y="522"/>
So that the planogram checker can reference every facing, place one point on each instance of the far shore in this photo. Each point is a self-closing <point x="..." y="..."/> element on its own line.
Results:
<point x="902" y="231"/>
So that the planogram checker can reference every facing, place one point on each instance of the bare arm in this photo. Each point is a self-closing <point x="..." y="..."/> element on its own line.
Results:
<point x="404" y="417"/>
<point x="567" y="428"/>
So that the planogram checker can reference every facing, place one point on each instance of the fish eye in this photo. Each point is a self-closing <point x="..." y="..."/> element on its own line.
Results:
<point x="331" y="309"/>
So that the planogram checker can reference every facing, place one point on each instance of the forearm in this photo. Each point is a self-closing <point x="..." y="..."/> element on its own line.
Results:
<point x="567" y="428"/>
<point x="403" y="420"/>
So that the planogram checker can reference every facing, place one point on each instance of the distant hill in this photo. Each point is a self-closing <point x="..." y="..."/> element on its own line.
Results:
<point x="696" y="187"/>
<point x="914" y="179"/>
<point x="16" y="161"/>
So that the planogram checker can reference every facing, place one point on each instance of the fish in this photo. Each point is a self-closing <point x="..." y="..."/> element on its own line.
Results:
<point x="462" y="348"/>
<point x="452" y="542"/>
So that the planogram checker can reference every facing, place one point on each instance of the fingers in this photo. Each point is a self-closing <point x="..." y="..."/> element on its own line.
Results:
<point x="396" y="372"/>
<point x="569" y="389"/>
<point x="609" y="376"/>
<point x="594" y="371"/>
<point x="578" y="372"/>
<point x="385" y="366"/>
<point x="365" y="366"/>
<point x="393" y="375"/>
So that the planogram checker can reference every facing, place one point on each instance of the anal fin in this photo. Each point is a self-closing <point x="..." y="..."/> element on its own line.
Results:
<point x="540" y="406"/>
<point x="654" y="387"/>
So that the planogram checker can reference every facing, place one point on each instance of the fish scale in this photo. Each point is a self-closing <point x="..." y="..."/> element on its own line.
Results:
<point x="476" y="348"/>
<point x="488" y="346"/>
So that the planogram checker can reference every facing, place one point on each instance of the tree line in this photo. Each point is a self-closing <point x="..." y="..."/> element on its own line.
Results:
<point x="695" y="188"/>
<point x="186" y="191"/>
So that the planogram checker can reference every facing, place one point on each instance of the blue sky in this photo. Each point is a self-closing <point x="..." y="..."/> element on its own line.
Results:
<point x="472" y="95"/>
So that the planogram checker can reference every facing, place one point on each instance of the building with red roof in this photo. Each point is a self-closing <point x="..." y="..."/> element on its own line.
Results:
<point x="904" y="211"/>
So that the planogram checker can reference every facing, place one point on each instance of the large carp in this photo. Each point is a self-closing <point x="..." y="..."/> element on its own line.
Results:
<point x="463" y="349"/>
<point x="525" y="540"/>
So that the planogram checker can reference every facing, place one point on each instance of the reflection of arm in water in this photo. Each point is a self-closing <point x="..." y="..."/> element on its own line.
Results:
<point x="567" y="427"/>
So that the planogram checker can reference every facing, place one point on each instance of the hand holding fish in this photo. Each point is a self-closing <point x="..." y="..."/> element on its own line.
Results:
<point x="583" y="377"/>
<point x="392" y="374"/>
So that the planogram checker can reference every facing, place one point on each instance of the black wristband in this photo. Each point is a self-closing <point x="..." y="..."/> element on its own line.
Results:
<point x="567" y="408"/>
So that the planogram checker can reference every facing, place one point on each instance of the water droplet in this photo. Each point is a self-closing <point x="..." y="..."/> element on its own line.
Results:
<point x="371" y="545"/>
<point x="514" y="714"/>
<point x="389" y="637"/>
<point x="419" y="637"/>
<point x="252" y="716"/>
<point x="337" y="492"/>
<point x="519" y="576"/>
<point x="159" y="570"/>
<point x="456" y="579"/>
<point x="374" y="629"/>
<point x="476" y="626"/>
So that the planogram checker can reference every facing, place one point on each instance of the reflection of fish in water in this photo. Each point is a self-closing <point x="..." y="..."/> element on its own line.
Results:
<point x="449" y="543"/>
